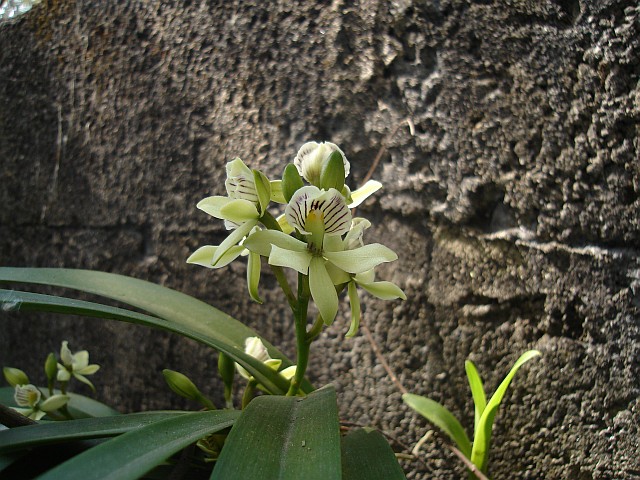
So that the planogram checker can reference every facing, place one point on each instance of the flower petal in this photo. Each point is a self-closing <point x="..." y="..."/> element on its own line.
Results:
<point x="299" y="261"/>
<point x="65" y="354"/>
<point x="80" y="360"/>
<point x="212" y="205"/>
<point x="253" y="276"/>
<point x="260" y="242"/>
<point x="383" y="290"/>
<point x="84" y="380"/>
<point x="276" y="192"/>
<point x="354" y="302"/>
<point x="239" y="211"/>
<point x="54" y="402"/>
<point x="233" y="239"/>
<point x="204" y="255"/>
<point x="88" y="370"/>
<point x="361" y="194"/>
<point x="322" y="290"/>
<point x="361" y="259"/>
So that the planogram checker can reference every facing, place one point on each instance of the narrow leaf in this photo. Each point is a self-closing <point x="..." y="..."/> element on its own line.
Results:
<point x="86" y="428"/>
<point x="442" y="418"/>
<point x="38" y="302"/>
<point x="284" y="438"/>
<point x="477" y="392"/>
<point x="366" y="455"/>
<point x="482" y="438"/>
<point x="134" y="453"/>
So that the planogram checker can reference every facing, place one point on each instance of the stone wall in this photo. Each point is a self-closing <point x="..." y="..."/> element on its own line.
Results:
<point x="513" y="207"/>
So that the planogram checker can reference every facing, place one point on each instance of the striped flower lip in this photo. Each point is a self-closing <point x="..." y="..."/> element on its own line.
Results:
<point x="240" y="183"/>
<point x="311" y="208"/>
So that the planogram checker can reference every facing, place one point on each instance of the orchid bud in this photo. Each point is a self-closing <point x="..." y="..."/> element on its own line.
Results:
<point x="15" y="376"/>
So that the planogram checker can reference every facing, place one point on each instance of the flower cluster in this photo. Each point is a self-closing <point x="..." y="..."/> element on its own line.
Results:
<point x="317" y="235"/>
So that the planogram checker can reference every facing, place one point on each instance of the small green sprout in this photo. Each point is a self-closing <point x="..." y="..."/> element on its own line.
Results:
<point x="478" y="452"/>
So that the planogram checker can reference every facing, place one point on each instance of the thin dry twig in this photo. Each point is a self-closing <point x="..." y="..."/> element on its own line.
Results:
<point x="472" y="468"/>
<point x="381" y="359"/>
<point x="383" y="147"/>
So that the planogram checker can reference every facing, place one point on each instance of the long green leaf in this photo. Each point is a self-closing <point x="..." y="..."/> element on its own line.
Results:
<point x="79" y="406"/>
<point x="284" y="438"/>
<point x="442" y="418"/>
<point x="366" y="455"/>
<point x="66" y="431"/>
<point x="26" y="301"/>
<point x="132" y="454"/>
<point x="173" y="306"/>
<point x="477" y="392"/>
<point x="482" y="438"/>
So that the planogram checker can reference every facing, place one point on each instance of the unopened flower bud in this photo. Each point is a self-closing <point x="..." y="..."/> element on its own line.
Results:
<point x="15" y="376"/>
<point x="51" y="367"/>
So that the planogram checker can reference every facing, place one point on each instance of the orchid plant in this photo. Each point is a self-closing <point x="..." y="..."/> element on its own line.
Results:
<point x="303" y="222"/>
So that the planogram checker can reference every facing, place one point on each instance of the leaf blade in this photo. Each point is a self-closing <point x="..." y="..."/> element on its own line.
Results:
<point x="366" y="455"/>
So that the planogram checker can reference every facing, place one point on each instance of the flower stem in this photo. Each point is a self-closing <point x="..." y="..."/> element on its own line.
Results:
<point x="284" y="284"/>
<point x="303" y="346"/>
<point x="315" y="329"/>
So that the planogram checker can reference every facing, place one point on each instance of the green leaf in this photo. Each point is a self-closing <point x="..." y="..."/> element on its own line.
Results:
<point x="38" y="302"/>
<point x="284" y="438"/>
<point x="477" y="392"/>
<point x="442" y="418"/>
<point x="482" y="439"/>
<point x="134" y="453"/>
<point x="86" y="428"/>
<point x="366" y="455"/>
<point x="79" y="406"/>
<point x="175" y="308"/>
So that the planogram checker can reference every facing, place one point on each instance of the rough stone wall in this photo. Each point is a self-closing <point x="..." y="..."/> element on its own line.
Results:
<point x="514" y="207"/>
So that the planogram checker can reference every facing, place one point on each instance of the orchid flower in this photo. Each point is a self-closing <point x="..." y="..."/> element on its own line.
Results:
<point x="311" y="158"/>
<point x="76" y="365"/>
<point x="29" y="398"/>
<point x="253" y="346"/>
<point x="321" y="217"/>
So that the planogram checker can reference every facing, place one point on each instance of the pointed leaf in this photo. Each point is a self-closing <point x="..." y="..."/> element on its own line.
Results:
<point x="82" y="429"/>
<point x="134" y="453"/>
<point x="442" y="418"/>
<point x="366" y="455"/>
<point x="284" y="438"/>
<point x="477" y="392"/>
<point x="38" y="302"/>
<point x="482" y="438"/>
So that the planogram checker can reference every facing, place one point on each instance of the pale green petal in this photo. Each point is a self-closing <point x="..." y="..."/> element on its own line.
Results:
<point x="383" y="290"/>
<point x="85" y="380"/>
<point x="239" y="211"/>
<point x="299" y="261"/>
<point x="332" y="243"/>
<point x="322" y="290"/>
<point x="273" y="363"/>
<point x="63" y="374"/>
<point x="80" y="360"/>
<point x="54" y="402"/>
<point x="338" y="276"/>
<point x="237" y="167"/>
<point x="232" y="240"/>
<point x="288" y="372"/>
<point x="212" y="205"/>
<point x="361" y="194"/>
<point x="366" y="277"/>
<point x="263" y="189"/>
<point x="284" y="225"/>
<point x="65" y="354"/>
<point x="361" y="259"/>
<point x="276" y="192"/>
<point x="204" y="255"/>
<point x="37" y="415"/>
<point x="253" y="276"/>
<point x="260" y="242"/>
<point x="88" y="370"/>
<point x="354" y="301"/>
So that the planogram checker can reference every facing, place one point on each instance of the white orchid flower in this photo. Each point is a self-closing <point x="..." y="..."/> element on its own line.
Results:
<point x="29" y="398"/>
<point x="75" y="365"/>
<point x="312" y="156"/>
<point x="253" y="346"/>
<point x="322" y="217"/>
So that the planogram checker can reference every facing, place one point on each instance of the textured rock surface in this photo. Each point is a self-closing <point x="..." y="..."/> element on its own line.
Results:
<point x="514" y="207"/>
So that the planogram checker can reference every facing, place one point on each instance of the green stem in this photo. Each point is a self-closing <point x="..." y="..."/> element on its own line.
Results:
<point x="286" y="288"/>
<point x="316" y="329"/>
<point x="303" y="346"/>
